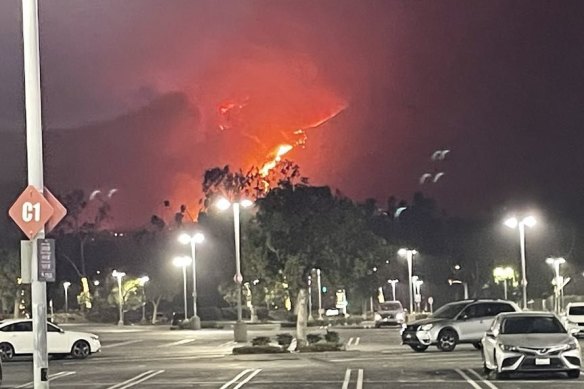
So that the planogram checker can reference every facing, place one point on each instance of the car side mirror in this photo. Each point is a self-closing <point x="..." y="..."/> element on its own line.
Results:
<point x="463" y="317"/>
<point x="490" y="334"/>
<point x="574" y="331"/>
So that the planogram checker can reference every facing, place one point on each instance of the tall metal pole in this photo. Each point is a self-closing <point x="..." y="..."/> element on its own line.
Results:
<point x="310" y="298"/>
<point x="185" y="289"/>
<point x="143" y="304"/>
<point x="193" y="253"/>
<point x="524" y="275"/>
<point x="121" y="298"/>
<point x="505" y="287"/>
<point x="319" y="285"/>
<point x="465" y="285"/>
<point x="393" y="290"/>
<point x="66" y="302"/>
<point x="240" y="329"/>
<point x="409" y="256"/>
<point x="34" y="147"/>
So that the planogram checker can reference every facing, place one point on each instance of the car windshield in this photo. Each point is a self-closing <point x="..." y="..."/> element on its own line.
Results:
<point x="532" y="325"/>
<point x="576" y="311"/>
<point x="449" y="311"/>
<point x="390" y="306"/>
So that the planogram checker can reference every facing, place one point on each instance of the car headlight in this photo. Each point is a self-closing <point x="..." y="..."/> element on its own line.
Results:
<point x="377" y="316"/>
<point x="506" y="347"/>
<point x="427" y="327"/>
<point x="572" y="346"/>
<point x="400" y="316"/>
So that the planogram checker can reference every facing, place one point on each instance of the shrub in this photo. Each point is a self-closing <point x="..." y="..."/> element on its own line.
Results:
<point x="284" y="340"/>
<point x="258" y="350"/>
<point x="332" y="337"/>
<point x="260" y="341"/>
<point x="313" y="338"/>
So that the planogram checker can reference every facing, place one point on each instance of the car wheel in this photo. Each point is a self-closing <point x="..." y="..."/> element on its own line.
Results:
<point x="574" y="374"/>
<point x="80" y="350"/>
<point x="478" y="345"/>
<point x="447" y="340"/>
<point x="377" y="325"/>
<point x="501" y="375"/>
<point x="418" y="347"/>
<point x="7" y="351"/>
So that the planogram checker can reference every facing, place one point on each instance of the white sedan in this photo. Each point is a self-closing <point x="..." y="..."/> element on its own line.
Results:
<point x="16" y="338"/>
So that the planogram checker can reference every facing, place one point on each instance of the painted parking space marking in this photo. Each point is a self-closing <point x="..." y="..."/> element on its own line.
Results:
<point x="137" y="379"/>
<point x="241" y="379"/>
<point x="347" y="380"/>
<point x="467" y="379"/>
<point x="178" y="343"/>
<point x="121" y="343"/>
<point x="52" y="377"/>
<point x="482" y="379"/>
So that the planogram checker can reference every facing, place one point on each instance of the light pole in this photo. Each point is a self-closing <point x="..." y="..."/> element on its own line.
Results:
<point x="118" y="276"/>
<point x="183" y="262"/>
<point x="417" y="289"/>
<point x="66" y="286"/>
<point x="502" y="274"/>
<point x="193" y="240"/>
<point x="239" y="330"/>
<point x="409" y="255"/>
<point x="392" y="282"/>
<point x="555" y="263"/>
<point x="513" y="222"/>
<point x="310" y="318"/>
<point x="464" y="285"/>
<point x="319" y="285"/>
<point x="142" y="281"/>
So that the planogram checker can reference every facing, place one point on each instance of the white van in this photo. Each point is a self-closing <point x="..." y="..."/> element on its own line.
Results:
<point x="575" y="318"/>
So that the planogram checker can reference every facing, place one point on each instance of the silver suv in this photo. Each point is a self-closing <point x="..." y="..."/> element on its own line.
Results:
<point x="454" y="323"/>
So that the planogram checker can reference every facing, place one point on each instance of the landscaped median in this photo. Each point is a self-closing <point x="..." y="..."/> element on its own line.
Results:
<point x="285" y="343"/>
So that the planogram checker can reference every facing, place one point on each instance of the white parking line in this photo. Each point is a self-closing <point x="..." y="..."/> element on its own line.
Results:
<point x="347" y="379"/>
<point x="489" y="384"/>
<point x="228" y="344"/>
<point x="52" y="377"/>
<point x="178" y="343"/>
<point x="137" y="379"/>
<point x="350" y="342"/>
<point x="357" y="341"/>
<point x="251" y="373"/>
<point x="121" y="344"/>
<point x="467" y="379"/>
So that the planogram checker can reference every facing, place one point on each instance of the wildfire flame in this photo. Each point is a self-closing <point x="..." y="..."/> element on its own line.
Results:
<point x="284" y="149"/>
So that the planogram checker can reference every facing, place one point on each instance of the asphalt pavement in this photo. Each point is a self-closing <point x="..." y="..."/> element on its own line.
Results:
<point x="155" y="357"/>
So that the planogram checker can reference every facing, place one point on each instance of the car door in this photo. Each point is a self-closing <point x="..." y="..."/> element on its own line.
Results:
<point x="21" y="335"/>
<point x="57" y="340"/>
<point x="473" y="322"/>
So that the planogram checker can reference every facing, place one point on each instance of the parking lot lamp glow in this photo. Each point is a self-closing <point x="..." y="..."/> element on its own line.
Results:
<point x="118" y="276"/>
<point x="513" y="222"/>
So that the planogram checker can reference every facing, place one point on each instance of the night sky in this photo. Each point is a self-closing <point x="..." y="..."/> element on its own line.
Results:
<point x="143" y="95"/>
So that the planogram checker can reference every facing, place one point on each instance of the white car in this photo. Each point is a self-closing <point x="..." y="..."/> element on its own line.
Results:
<point x="530" y="342"/>
<point x="16" y="338"/>
<point x="574" y="319"/>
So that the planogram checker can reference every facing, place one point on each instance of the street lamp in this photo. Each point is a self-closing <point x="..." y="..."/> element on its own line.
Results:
<point x="193" y="240"/>
<point x="239" y="330"/>
<point x="118" y="276"/>
<point x="183" y="262"/>
<point x="310" y="318"/>
<point x="393" y="282"/>
<point x="66" y="286"/>
<point x="513" y="222"/>
<point x="142" y="281"/>
<point x="409" y="255"/>
<point x="464" y="284"/>
<point x="558" y="284"/>
<point x="319" y="285"/>
<point x="417" y="288"/>
<point x="503" y="274"/>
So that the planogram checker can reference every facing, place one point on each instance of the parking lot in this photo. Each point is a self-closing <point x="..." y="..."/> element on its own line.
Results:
<point x="146" y="357"/>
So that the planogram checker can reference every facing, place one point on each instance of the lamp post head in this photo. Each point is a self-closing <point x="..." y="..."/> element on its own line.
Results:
<point x="184" y="238"/>
<point x="182" y="261"/>
<point x="223" y="204"/>
<point x="66" y="284"/>
<point x="529" y="221"/>
<point x="246" y="203"/>
<point x="198" y="237"/>
<point x="393" y="282"/>
<point x="511" y="222"/>
<point x="118" y="274"/>
<point x="143" y="280"/>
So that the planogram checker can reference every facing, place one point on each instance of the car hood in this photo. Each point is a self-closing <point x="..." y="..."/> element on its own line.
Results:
<point x="428" y="320"/>
<point x="80" y="335"/>
<point x="535" y="340"/>
<point x="386" y="311"/>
